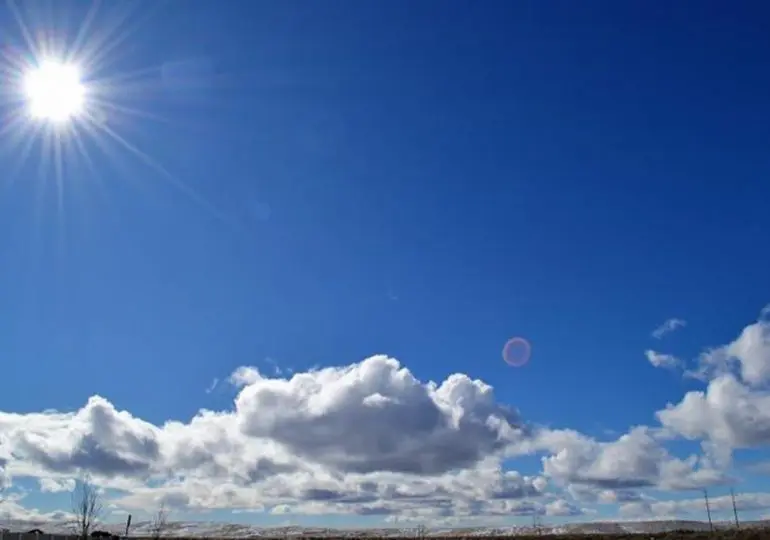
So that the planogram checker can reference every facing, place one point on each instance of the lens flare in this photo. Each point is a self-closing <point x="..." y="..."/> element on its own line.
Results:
<point x="516" y="352"/>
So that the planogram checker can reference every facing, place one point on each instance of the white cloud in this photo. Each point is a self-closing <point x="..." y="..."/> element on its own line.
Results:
<point x="744" y="502"/>
<point x="11" y="511"/>
<point x="244" y="375"/>
<point x="363" y="439"/>
<point x="728" y="413"/>
<point x="371" y="439"/>
<point x="400" y="424"/>
<point x="634" y="461"/>
<point x="734" y="410"/>
<point x="661" y="360"/>
<point x="667" y="327"/>
<point x="212" y="386"/>
<point x="56" y="485"/>
<point x="748" y="356"/>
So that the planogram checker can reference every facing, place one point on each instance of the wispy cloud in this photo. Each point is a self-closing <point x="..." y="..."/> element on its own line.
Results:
<point x="662" y="360"/>
<point x="276" y="368"/>
<point x="667" y="327"/>
<point x="212" y="386"/>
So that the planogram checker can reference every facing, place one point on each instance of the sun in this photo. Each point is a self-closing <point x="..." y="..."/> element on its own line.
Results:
<point x="54" y="92"/>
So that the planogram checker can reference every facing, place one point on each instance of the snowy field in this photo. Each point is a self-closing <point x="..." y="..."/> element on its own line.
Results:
<point x="207" y="529"/>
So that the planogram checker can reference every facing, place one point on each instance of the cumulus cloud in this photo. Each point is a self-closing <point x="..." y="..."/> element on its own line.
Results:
<point x="747" y="357"/>
<point x="636" y="460"/>
<point x="728" y="413"/>
<point x="368" y="438"/>
<point x="734" y="410"/>
<point x="667" y="327"/>
<point x="401" y="425"/>
<point x="97" y="438"/>
<point x="371" y="439"/>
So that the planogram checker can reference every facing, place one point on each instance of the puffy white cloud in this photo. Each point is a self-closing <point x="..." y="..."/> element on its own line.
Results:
<point x="367" y="438"/>
<point x="734" y="410"/>
<point x="97" y="438"/>
<point x="747" y="357"/>
<point x="635" y="460"/>
<point x="752" y="351"/>
<point x="401" y="425"/>
<point x="370" y="439"/>
<point x="671" y="325"/>
<point x="728" y="413"/>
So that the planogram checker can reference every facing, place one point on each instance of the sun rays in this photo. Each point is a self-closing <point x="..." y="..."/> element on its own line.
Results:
<point x="64" y="101"/>
<point x="54" y="92"/>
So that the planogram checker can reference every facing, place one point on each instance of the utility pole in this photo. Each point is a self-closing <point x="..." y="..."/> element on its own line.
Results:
<point x="128" y="524"/>
<point x="735" y="510"/>
<point x="708" y="510"/>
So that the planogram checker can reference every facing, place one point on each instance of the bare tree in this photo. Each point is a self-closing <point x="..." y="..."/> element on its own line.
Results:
<point x="86" y="506"/>
<point x="708" y="510"/>
<point x="159" y="522"/>
<point x="537" y="523"/>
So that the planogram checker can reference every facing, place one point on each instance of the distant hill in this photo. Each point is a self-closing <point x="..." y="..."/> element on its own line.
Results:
<point x="210" y="529"/>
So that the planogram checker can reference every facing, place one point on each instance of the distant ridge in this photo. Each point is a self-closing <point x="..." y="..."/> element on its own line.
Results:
<point x="212" y="529"/>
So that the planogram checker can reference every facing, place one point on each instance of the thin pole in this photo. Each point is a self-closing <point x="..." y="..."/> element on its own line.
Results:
<point x="735" y="510"/>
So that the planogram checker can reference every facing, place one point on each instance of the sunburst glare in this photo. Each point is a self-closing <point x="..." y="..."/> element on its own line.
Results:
<point x="62" y="95"/>
<point x="54" y="91"/>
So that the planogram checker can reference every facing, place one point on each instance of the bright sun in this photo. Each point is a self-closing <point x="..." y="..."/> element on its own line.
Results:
<point x="54" y="92"/>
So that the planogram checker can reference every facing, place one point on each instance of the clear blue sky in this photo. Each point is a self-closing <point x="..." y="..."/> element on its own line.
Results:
<point x="421" y="180"/>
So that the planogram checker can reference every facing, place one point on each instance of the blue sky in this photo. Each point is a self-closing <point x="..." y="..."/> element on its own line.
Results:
<point x="290" y="186"/>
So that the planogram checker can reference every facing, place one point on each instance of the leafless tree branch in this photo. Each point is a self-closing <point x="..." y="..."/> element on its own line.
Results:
<point x="86" y="506"/>
<point x="159" y="522"/>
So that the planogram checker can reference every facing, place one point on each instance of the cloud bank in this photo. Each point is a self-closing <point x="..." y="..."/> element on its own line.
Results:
<point x="370" y="439"/>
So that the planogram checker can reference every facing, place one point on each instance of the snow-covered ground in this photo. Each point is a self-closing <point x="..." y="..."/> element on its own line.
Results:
<point x="210" y="529"/>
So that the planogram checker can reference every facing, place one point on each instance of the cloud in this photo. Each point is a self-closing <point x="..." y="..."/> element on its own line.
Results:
<point x="368" y="438"/>
<point x="13" y="511"/>
<point x="371" y="439"/>
<point x="401" y="424"/>
<point x="747" y="357"/>
<point x="667" y="327"/>
<point x="56" y="485"/>
<point x="662" y="360"/>
<point x="762" y="467"/>
<point x="636" y="460"/>
<point x="728" y="413"/>
<point x="97" y="438"/>
<point x="744" y="502"/>
<point x="734" y="410"/>
<point x="5" y="481"/>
